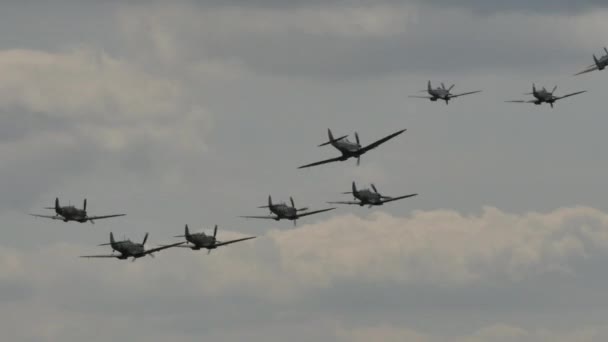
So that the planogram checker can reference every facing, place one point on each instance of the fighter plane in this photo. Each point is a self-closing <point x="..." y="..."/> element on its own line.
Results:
<point x="545" y="96"/>
<point x="71" y="213"/>
<point x="196" y="241"/>
<point x="600" y="64"/>
<point x="350" y="149"/>
<point x="283" y="211"/>
<point x="369" y="197"/>
<point x="129" y="249"/>
<point x="442" y="93"/>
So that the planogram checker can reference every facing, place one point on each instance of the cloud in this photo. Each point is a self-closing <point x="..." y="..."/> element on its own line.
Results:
<point x="330" y="268"/>
<point x="84" y="103"/>
<point x="491" y="333"/>
<point x="359" y="41"/>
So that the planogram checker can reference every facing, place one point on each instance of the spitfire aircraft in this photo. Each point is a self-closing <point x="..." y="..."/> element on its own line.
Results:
<point x="545" y="96"/>
<point x="196" y="241"/>
<point x="599" y="64"/>
<point x="442" y="93"/>
<point x="129" y="249"/>
<point x="370" y="197"/>
<point x="283" y="211"/>
<point x="71" y="213"/>
<point x="350" y="149"/>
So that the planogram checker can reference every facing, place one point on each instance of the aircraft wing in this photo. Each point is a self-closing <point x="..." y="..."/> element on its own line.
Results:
<point x="589" y="69"/>
<point x="233" y="241"/>
<point x="421" y="97"/>
<point x="568" y="95"/>
<point x="54" y="217"/>
<point x="261" y="217"/>
<point x="381" y="141"/>
<point x="153" y="250"/>
<point x="315" y="212"/>
<point x="521" y="101"/>
<point x="346" y="202"/>
<point x="322" y="162"/>
<point x="398" y="198"/>
<point x="101" y="256"/>
<point x="92" y="218"/>
<point x="463" y="94"/>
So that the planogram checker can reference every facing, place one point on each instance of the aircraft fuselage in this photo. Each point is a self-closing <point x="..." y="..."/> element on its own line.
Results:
<point x="72" y="214"/>
<point x="543" y="96"/>
<point x="201" y="240"/>
<point x="128" y="249"/>
<point x="439" y="93"/>
<point x="283" y="211"/>
<point x="368" y="197"/>
<point x="348" y="148"/>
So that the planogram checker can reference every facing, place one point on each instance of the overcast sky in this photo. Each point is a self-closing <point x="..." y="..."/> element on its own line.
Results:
<point x="194" y="112"/>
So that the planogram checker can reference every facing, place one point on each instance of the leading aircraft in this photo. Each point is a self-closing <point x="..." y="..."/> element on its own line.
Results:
<point x="545" y="96"/>
<point x="599" y="64"/>
<point x="129" y="249"/>
<point x="71" y="213"/>
<point x="283" y="211"/>
<point x="350" y="149"/>
<point x="370" y="197"/>
<point x="442" y="93"/>
<point x="196" y="241"/>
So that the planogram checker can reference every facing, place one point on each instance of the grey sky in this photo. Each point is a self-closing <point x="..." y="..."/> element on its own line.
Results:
<point x="195" y="112"/>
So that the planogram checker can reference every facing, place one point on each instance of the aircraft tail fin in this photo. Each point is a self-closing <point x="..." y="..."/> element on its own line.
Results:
<point x="186" y="232"/>
<point x="354" y="187"/>
<point x="428" y="86"/>
<point x="606" y="49"/>
<point x="111" y="243"/>
<point x="331" y="138"/>
<point x="597" y="61"/>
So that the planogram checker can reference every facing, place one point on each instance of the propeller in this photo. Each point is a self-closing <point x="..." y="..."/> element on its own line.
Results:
<point x="374" y="187"/>
<point x="451" y="87"/>
<point x="606" y="49"/>
<point x="214" y="232"/>
<point x="84" y="205"/>
<point x="443" y="86"/>
<point x="554" y="89"/>
<point x="358" y="144"/>
<point x="145" y="239"/>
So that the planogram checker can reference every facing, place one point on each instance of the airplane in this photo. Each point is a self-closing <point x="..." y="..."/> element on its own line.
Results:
<point x="129" y="249"/>
<point x="442" y="93"/>
<point x="600" y="64"/>
<point x="196" y="241"/>
<point x="545" y="96"/>
<point x="71" y="213"/>
<point x="350" y="149"/>
<point x="369" y="197"/>
<point x="283" y="211"/>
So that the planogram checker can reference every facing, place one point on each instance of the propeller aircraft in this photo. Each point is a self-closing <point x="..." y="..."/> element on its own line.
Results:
<point x="442" y="93"/>
<point x="370" y="197"/>
<point x="284" y="211"/>
<point x="71" y="213"/>
<point x="196" y="241"/>
<point x="348" y="148"/>
<point x="129" y="249"/>
<point x="544" y="96"/>
<point x="599" y="64"/>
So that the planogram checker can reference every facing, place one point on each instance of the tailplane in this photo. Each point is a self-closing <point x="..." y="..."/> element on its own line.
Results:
<point x="332" y="140"/>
